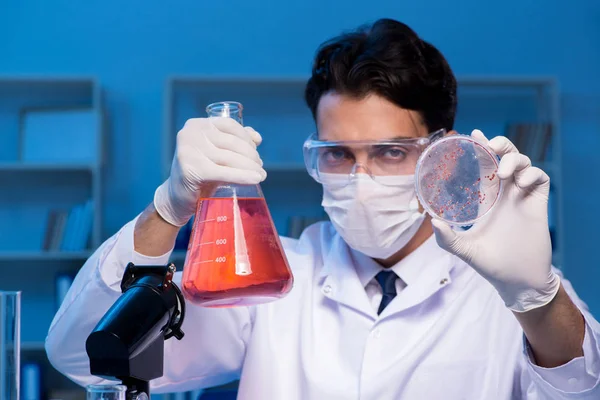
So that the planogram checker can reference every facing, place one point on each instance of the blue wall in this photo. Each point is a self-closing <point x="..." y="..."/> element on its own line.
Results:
<point x="132" y="46"/>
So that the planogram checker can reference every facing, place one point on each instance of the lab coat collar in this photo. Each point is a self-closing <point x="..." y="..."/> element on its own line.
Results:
<point x="425" y="271"/>
<point x="346" y="272"/>
<point x="410" y="269"/>
<point x="339" y="280"/>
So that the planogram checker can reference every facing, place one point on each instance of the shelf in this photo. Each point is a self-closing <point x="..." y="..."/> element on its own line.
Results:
<point x="33" y="346"/>
<point x="49" y="87"/>
<point x="273" y="105"/>
<point x="34" y="186"/>
<point x="471" y="80"/>
<point x="44" y="256"/>
<point x="42" y="79"/>
<point x="238" y="79"/>
<point x="24" y="167"/>
<point x="500" y="80"/>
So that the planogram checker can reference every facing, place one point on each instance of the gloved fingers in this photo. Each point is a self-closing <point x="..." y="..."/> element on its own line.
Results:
<point x="214" y="127"/>
<point x="501" y="146"/>
<point x="191" y="160"/>
<point x="193" y="163"/>
<point x="237" y="176"/>
<point x="511" y="164"/>
<point x="232" y="127"/>
<point x="479" y="136"/>
<point x="229" y="158"/>
<point x="531" y="177"/>
<point x="445" y="236"/>
<point x="256" y="137"/>
<point x="236" y="145"/>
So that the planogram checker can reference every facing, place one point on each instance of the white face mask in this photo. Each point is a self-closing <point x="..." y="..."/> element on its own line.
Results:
<point x="373" y="218"/>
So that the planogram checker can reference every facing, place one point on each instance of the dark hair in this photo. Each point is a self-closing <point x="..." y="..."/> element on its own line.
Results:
<point x="390" y="60"/>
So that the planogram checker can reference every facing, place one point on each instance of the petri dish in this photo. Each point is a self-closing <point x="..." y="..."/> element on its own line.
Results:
<point x="456" y="180"/>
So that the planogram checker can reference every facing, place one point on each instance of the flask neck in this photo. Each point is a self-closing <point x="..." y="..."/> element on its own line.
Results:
<point x="228" y="109"/>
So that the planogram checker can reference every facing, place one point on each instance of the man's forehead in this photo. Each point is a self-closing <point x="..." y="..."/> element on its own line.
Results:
<point x="341" y="117"/>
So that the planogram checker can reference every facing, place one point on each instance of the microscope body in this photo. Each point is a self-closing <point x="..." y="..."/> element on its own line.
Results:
<point x="128" y="342"/>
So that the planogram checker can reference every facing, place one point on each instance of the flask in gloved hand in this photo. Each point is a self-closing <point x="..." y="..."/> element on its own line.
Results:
<point x="234" y="257"/>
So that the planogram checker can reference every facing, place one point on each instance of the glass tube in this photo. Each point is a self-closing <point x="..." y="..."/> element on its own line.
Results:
<point x="106" y="392"/>
<point x="10" y="344"/>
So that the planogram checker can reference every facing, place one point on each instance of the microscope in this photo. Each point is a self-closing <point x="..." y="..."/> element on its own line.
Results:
<point x="128" y="342"/>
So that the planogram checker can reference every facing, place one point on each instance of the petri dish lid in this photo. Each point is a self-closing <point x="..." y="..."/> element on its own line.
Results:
<point x="456" y="180"/>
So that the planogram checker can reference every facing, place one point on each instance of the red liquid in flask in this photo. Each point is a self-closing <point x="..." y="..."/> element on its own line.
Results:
<point x="235" y="256"/>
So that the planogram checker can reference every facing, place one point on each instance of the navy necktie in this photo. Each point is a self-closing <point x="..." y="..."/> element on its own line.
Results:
<point x="387" y="281"/>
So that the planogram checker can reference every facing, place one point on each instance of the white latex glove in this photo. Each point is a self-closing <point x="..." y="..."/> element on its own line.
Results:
<point x="510" y="247"/>
<point x="209" y="150"/>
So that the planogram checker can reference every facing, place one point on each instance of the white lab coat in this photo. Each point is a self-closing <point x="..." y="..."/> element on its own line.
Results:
<point x="447" y="335"/>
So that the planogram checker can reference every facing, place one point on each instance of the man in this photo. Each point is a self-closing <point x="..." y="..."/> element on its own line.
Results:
<point x="386" y="304"/>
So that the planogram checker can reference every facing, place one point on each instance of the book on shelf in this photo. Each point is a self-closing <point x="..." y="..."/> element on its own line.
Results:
<point x="69" y="230"/>
<point x="31" y="381"/>
<point x="62" y="284"/>
<point x="532" y="139"/>
<point x="54" y="229"/>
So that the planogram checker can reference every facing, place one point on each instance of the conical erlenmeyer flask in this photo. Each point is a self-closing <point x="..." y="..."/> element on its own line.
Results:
<point x="234" y="256"/>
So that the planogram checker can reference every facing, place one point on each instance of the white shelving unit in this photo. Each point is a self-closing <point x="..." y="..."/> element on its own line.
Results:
<point x="28" y="191"/>
<point x="18" y="92"/>
<point x="490" y="103"/>
<point x="26" y="167"/>
<point x="39" y="256"/>
<point x="275" y="107"/>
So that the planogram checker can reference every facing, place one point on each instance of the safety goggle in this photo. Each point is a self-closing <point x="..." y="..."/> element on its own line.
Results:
<point x="331" y="162"/>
